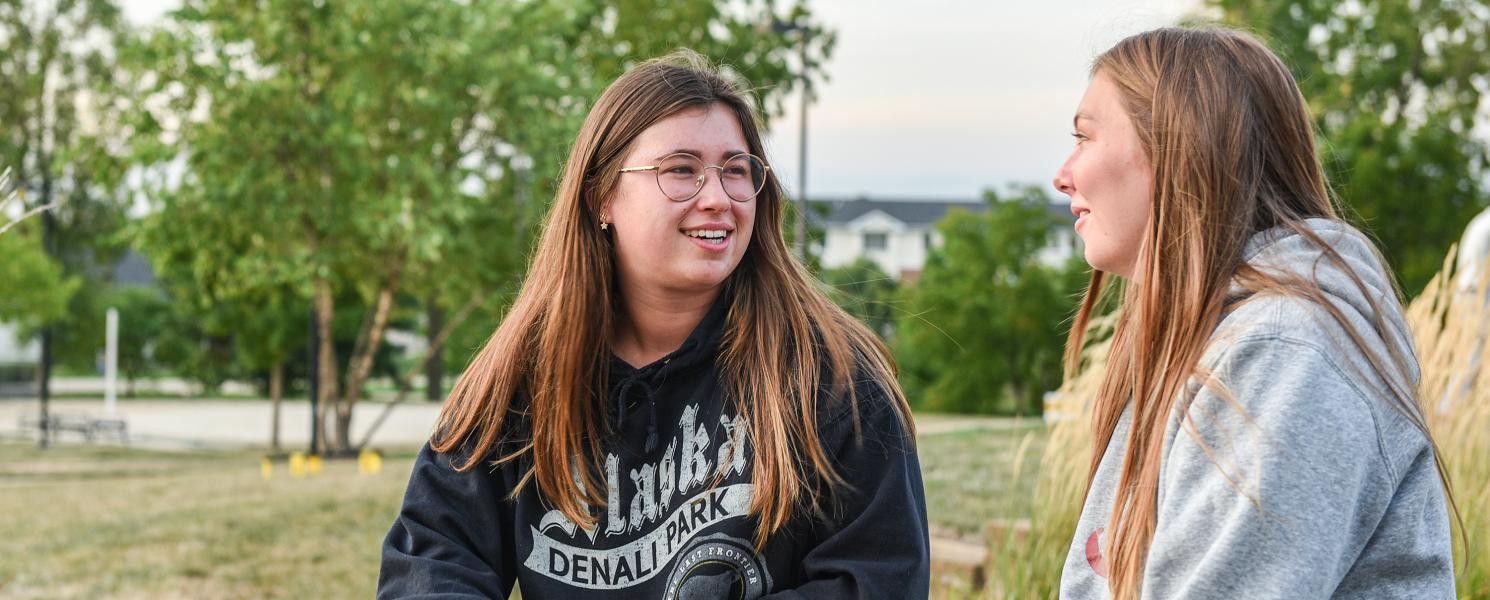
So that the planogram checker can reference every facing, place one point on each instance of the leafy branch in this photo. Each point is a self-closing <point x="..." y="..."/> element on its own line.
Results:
<point x="12" y="195"/>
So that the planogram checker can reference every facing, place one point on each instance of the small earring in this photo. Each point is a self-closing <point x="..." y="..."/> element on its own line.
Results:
<point x="604" y="226"/>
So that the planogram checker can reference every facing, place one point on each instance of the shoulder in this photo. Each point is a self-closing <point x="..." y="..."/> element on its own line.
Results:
<point x="1294" y="393"/>
<point x="857" y="393"/>
<point x="1339" y="336"/>
<point x="872" y="408"/>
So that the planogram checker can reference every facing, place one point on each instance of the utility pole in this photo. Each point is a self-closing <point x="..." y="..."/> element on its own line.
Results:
<point x="802" y="155"/>
<point x="804" y="33"/>
<point x="44" y="372"/>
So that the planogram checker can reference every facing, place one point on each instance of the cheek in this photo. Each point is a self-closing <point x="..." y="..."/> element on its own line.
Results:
<point x="1091" y="173"/>
<point x="1116" y="186"/>
<point x="745" y="217"/>
<point x="642" y="230"/>
<point x="627" y="201"/>
<point x="1137" y="195"/>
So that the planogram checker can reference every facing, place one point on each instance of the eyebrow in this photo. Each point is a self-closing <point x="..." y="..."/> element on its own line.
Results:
<point x="722" y="156"/>
<point x="1079" y="116"/>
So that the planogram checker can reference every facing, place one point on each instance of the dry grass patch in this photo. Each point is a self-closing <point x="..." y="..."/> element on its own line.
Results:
<point x="89" y="522"/>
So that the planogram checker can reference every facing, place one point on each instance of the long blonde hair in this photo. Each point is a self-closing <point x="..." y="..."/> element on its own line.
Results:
<point x="781" y="333"/>
<point x="1232" y="150"/>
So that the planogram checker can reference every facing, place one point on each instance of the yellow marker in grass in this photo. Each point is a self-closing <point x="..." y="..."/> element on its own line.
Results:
<point x="266" y="466"/>
<point x="369" y="462"/>
<point x="297" y="464"/>
<point x="314" y="464"/>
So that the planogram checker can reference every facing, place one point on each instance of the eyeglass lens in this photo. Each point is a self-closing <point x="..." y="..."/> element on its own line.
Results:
<point x="681" y="176"/>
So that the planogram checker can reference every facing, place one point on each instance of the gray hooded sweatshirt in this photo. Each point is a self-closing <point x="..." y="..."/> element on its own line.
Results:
<point x="1317" y="487"/>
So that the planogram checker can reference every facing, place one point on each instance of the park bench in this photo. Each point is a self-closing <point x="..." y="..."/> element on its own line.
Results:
<point x="91" y="428"/>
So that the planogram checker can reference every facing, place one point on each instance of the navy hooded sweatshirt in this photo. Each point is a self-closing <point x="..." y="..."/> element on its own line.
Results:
<point x="666" y="532"/>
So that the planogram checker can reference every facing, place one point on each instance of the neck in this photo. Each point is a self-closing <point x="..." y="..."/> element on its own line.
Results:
<point x="653" y="325"/>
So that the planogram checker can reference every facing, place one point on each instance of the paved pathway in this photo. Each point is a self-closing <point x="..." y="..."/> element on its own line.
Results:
<point x="185" y="424"/>
<point x="210" y="423"/>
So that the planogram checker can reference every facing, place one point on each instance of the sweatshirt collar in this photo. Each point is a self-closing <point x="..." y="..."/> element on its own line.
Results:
<point x="627" y="382"/>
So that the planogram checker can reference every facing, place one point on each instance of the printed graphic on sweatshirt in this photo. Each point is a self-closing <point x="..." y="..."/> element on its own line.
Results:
<point x="718" y="567"/>
<point x="670" y="505"/>
<point x="1094" y="553"/>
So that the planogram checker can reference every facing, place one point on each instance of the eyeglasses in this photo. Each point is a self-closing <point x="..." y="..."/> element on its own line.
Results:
<point x="681" y="176"/>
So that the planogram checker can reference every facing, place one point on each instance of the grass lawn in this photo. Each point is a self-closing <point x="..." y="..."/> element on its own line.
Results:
<point x="107" y="522"/>
<point x="971" y="476"/>
<point x="98" y="522"/>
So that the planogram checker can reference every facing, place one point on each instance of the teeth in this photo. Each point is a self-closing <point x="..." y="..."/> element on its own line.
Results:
<point x="710" y="234"/>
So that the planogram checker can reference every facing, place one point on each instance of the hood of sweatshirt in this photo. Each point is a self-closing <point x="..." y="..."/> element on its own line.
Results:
<point x="634" y="390"/>
<point x="1285" y="252"/>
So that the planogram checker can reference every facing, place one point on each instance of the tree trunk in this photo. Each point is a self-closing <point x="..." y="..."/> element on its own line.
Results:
<point x="360" y="365"/>
<point x="325" y="310"/>
<point x="435" y="345"/>
<point x="276" y="394"/>
<point x="434" y="372"/>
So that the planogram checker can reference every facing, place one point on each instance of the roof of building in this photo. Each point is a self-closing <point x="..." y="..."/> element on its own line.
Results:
<point x="133" y="269"/>
<point x="912" y="212"/>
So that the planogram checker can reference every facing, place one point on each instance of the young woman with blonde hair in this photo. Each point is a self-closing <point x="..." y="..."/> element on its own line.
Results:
<point x="671" y="409"/>
<point x="1257" y="433"/>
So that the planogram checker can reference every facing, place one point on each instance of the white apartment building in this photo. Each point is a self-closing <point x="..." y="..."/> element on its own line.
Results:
<point x="898" y="234"/>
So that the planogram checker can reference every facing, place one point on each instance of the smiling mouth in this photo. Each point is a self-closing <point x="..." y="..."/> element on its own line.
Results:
<point x="710" y="237"/>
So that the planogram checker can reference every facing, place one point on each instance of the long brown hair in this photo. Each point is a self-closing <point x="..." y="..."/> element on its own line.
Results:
<point x="781" y="333"/>
<point x="1229" y="139"/>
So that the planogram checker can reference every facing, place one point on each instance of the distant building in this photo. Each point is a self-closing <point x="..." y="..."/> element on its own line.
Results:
<point x="17" y="363"/>
<point x="134" y="269"/>
<point x="898" y="234"/>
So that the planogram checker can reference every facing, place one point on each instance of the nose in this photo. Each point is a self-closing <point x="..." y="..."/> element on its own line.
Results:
<point x="712" y="197"/>
<point x="1062" y="181"/>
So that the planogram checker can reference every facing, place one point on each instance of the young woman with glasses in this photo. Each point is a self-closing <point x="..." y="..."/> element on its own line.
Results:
<point x="671" y="409"/>
<point x="1257" y="432"/>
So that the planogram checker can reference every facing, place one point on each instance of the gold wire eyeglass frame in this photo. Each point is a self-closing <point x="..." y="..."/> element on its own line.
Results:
<point x="699" y="186"/>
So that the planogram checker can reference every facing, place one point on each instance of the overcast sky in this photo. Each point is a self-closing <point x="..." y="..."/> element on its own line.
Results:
<point x="948" y="98"/>
<point x="939" y="98"/>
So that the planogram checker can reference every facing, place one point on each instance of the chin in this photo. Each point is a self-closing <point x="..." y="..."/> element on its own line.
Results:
<point x="1092" y="259"/>
<point x="701" y="280"/>
<point x="1104" y="262"/>
<point x="707" y="282"/>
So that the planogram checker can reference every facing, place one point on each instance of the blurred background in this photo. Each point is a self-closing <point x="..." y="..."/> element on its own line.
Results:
<point x="247" y="247"/>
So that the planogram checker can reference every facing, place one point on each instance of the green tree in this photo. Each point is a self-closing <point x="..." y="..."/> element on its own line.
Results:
<point x="866" y="292"/>
<point x="982" y="328"/>
<point x="270" y="334"/>
<point x="1395" y="87"/>
<point x="377" y="149"/>
<point x="34" y="291"/>
<point x="59" y="136"/>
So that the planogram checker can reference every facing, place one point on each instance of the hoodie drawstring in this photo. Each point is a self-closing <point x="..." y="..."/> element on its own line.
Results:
<point x="623" y="391"/>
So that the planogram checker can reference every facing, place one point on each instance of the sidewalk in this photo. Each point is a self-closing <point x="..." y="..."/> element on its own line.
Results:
<point x="195" y="424"/>
<point x="236" y="423"/>
<point x="163" y="385"/>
